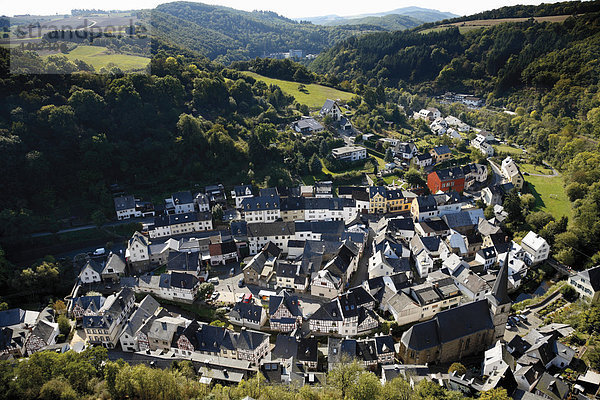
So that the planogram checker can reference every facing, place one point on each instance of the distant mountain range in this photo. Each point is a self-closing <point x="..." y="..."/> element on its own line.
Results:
<point x="418" y="15"/>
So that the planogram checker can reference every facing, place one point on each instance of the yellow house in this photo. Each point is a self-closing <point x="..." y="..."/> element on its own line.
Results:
<point x="383" y="200"/>
<point x="396" y="202"/>
<point x="377" y="199"/>
<point x="440" y="153"/>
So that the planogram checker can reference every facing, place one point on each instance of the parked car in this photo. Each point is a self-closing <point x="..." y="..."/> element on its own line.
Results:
<point x="100" y="252"/>
<point x="214" y="296"/>
<point x="241" y="283"/>
<point x="247" y="298"/>
<point x="214" y="281"/>
<point x="231" y="271"/>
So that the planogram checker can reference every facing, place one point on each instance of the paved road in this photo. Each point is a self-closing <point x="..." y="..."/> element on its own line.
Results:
<point x="84" y="227"/>
<point x="552" y="175"/>
<point x="362" y="272"/>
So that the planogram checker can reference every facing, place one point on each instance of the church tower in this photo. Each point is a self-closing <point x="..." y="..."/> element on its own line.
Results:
<point x="499" y="302"/>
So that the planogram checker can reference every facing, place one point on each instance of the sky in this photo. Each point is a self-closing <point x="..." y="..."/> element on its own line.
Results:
<point x="291" y="9"/>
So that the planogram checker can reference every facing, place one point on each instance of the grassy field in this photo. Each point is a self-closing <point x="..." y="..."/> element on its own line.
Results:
<point x="535" y="169"/>
<point x="503" y="148"/>
<point x="482" y="23"/>
<point x="98" y="57"/>
<point x="550" y="195"/>
<point x="313" y="96"/>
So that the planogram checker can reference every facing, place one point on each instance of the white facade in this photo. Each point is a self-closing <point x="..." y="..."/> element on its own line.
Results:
<point x="536" y="248"/>
<point x="88" y="275"/>
<point x="349" y="153"/>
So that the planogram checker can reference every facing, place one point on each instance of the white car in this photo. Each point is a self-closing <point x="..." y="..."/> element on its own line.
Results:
<point x="214" y="281"/>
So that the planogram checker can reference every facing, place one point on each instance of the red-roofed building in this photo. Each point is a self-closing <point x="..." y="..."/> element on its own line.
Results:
<point x="446" y="180"/>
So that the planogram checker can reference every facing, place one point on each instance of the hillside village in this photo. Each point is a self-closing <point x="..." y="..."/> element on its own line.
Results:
<point x="406" y="279"/>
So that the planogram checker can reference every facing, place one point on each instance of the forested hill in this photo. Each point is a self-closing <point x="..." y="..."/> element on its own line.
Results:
<point x="556" y="62"/>
<point x="226" y="34"/>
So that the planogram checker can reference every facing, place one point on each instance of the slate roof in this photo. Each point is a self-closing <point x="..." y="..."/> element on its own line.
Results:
<point x="286" y="346"/>
<point x="423" y="157"/>
<point x="278" y="228"/>
<point x="327" y="106"/>
<point x="592" y="275"/>
<point x="293" y="203"/>
<point x="499" y="293"/>
<point x="441" y="150"/>
<point x="94" y="265"/>
<point x="348" y="305"/>
<point x="114" y="265"/>
<point x="308" y="123"/>
<point x="458" y="220"/>
<point x="401" y="224"/>
<point x="239" y="229"/>
<point x="328" y="312"/>
<point x="92" y="302"/>
<point x="145" y="310"/>
<point x="289" y="301"/>
<point x="124" y="203"/>
<point x="449" y="325"/>
<point x="434" y="225"/>
<point x="240" y="190"/>
<point x="307" y="350"/>
<point x="250" y="340"/>
<point x="384" y="344"/>
<point x="178" y="280"/>
<point x="426" y="203"/>
<point x="261" y="203"/>
<point x="175" y="219"/>
<point x="248" y="311"/>
<point x="14" y="316"/>
<point x="449" y="174"/>
<point x="183" y="198"/>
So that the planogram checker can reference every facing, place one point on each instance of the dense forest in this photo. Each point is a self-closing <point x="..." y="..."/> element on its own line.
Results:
<point x="498" y="60"/>
<point x="90" y="375"/>
<point x="66" y="138"/>
<point x="226" y="34"/>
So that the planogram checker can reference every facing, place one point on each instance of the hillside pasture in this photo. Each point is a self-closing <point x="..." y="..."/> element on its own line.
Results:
<point x="466" y="26"/>
<point x="312" y="95"/>
<point x="99" y="57"/>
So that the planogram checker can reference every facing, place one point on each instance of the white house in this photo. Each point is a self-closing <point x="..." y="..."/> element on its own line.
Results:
<point x="91" y="272"/>
<point x="179" y="224"/>
<point x="261" y="208"/>
<point x="423" y="160"/>
<point x="406" y="151"/>
<point x="125" y="207"/>
<point x="241" y="192"/>
<point x="349" y="153"/>
<point x="536" y="248"/>
<point x="332" y="109"/>
<point x="587" y="283"/>
<point x="181" y="202"/>
<point x="511" y="172"/>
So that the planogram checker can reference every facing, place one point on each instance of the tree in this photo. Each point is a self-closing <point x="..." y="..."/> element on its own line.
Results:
<point x="64" y="325"/>
<point x="59" y="307"/>
<point x="495" y="394"/>
<point x="528" y="201"/>
<point x="98" y="218"/>
<point x="458" y="368"/>
<point x="58" y="389"/>
<point x="389" y="155"/>
<point x="217" y="212"/>
<point x="569" y="293"/>
<point x="488" y="212"/>
<point x="367" y="387"/>
<point x="413" y="178"/>
<point x="315" y="165"/>
<point x="512" y="205"/>
<point x="344" y="376"/>
<point x="205" y="289"/>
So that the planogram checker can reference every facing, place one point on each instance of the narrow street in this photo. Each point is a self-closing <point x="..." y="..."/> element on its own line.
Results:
<point x="362" y="272"/>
